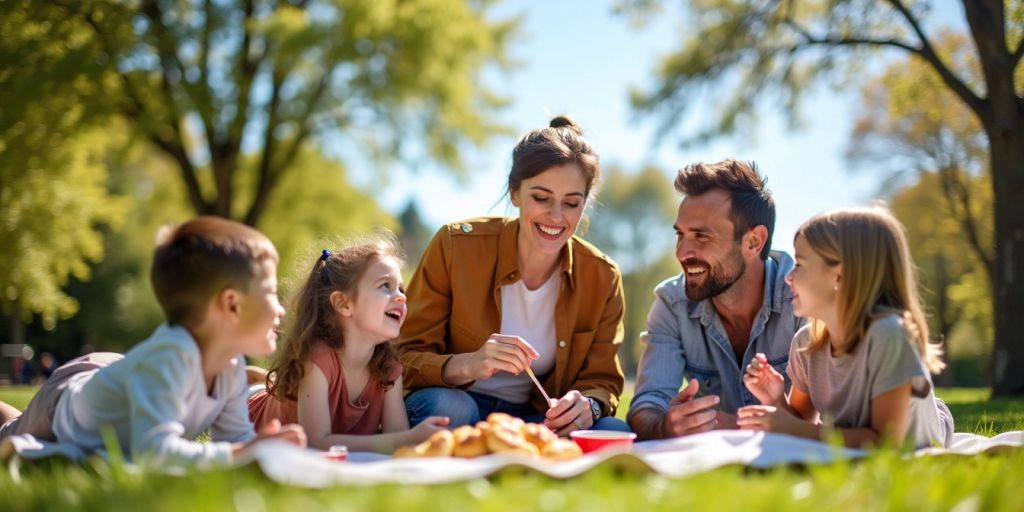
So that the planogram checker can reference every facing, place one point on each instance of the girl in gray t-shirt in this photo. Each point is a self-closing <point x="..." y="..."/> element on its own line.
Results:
<point x="862" y="365"/>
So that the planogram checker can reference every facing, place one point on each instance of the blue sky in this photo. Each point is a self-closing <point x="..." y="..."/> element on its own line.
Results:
<point x="579" y="58"/>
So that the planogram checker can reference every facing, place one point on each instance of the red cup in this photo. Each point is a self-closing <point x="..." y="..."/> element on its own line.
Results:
<point x="593" y="440"/>
<point x="337" y="453"/>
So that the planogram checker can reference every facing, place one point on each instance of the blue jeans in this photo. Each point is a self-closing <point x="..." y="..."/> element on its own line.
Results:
<point x="468" y="407"/>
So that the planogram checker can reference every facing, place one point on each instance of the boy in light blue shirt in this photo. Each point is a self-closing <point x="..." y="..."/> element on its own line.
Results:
<point x="216" y="281"/>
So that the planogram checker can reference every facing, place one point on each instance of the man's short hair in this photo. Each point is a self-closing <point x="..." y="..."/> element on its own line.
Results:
<point x="752" y="203"/>
<point x="196" y="260"/>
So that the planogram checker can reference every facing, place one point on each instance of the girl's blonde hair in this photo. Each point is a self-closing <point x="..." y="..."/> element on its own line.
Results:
<point x="315" y="321"/>
<point x="878" y="276"/>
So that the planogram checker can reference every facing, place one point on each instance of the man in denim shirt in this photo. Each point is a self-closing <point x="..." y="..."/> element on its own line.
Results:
<point x="730" y="303"/>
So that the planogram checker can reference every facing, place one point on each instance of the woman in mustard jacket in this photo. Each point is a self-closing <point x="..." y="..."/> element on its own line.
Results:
<point x="495" y="296"/>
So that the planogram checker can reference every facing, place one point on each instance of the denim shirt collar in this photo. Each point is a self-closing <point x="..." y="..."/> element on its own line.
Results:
<point x="776" y="267"/>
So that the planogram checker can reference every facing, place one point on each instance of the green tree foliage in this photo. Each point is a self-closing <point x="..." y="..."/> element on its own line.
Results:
<point x="208" y="83"/>
<point x="910" y="124"/>
<point x="53" y="180"/>
<point x="632" y="222"/>
<point x="118" y="308"/>
<point x="315" y="208"/>
<point x="747" y="53"/>
<point x="56" y="207"/>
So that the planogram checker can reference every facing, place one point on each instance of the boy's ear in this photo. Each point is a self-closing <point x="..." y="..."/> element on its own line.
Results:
<point x="340" y="303"/>
<point x="227" y="302"/>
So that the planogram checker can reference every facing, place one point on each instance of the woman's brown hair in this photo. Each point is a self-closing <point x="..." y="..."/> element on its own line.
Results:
<point x="315" y="320"/>
<point x="561" y="143"/>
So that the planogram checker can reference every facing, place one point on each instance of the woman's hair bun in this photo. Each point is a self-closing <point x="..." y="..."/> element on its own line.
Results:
<point x="567" y="122"/>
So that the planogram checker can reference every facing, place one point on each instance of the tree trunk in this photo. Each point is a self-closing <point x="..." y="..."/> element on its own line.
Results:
<point x="1007" y="149"/>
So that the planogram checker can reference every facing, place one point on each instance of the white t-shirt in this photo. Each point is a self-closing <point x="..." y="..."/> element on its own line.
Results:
<point x="529" y="314"/>
<point x="156" y="400"/>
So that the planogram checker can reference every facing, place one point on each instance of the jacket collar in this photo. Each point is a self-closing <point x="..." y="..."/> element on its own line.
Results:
<point x="508" y="255"/>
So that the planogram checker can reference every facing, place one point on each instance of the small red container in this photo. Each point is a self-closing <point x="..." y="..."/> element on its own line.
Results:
<point x="593" y="440"/>
<point x="337" y="453"/>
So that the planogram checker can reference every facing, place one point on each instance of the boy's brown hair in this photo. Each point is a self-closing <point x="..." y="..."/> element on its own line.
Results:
<point x="196" y="260"/>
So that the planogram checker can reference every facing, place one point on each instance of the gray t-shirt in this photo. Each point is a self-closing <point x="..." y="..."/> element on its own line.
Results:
<point x="842" y="387"/>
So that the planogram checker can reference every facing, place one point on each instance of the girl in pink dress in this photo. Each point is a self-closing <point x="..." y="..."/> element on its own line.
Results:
<point x="336" y="374"/>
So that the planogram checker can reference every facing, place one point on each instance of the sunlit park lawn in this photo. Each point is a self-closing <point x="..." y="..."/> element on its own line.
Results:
<point x="880" y="482"/>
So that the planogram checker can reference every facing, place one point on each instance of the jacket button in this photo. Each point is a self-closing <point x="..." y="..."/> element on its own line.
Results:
<point x="466" y="227"/>
<point x="561" y="344"/>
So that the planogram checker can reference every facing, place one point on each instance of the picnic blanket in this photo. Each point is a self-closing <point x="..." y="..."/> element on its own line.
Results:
<point x="679" y="457"/>
<point x="291" y="465"/>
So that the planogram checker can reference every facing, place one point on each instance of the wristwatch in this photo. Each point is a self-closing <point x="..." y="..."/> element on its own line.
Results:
<point x="595" y="408"/>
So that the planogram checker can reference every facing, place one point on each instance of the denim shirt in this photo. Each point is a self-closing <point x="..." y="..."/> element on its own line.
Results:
<point x="688" y="338"/>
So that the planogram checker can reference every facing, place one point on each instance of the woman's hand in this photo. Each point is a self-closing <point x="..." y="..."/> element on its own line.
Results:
<point x="569" y="413"/>
<point x="766" y="384"/>
<point x="500" y="353"/>
<point x="426" y="428"/>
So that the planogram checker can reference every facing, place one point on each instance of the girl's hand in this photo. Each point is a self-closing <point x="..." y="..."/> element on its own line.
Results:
<point x="500" y="353"/>
<point x="291" y="433"/>
<point x="569" y="413"/>
<point x="772" y="419"/>
<point x="426" y="428"/>
<point x="764" y="382"/>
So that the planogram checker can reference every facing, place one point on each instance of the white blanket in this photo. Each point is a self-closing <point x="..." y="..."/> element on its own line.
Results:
<point x="288" y="464"/>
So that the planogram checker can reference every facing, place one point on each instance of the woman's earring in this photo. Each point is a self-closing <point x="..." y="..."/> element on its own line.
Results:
<point x="836" y="287"/>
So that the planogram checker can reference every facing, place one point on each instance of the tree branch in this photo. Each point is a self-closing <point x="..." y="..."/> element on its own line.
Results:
<point x="926" y="52"/>
<point x="138" y="110"/>
<point x="958" y="196"/>
<point x="926" y="44"/>
<point x="1018" y="54"/>
<point x="200" y="97"/>
<point x="245" y="74"/>
<point x="266" y="168"/>
<point x="304" y="122"/>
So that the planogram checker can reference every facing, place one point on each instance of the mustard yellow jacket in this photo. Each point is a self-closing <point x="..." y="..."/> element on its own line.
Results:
<point x="455" y="305"/>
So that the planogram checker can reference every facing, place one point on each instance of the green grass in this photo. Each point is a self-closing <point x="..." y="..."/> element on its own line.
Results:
<point x="17" y="396"/>
<point x="882" y="481"/>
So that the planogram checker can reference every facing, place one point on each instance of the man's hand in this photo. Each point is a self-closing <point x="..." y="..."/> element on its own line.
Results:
<point x="687" y="415"/>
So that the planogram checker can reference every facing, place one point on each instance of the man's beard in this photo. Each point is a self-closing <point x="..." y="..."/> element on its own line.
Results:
<point x="719" y="278"/>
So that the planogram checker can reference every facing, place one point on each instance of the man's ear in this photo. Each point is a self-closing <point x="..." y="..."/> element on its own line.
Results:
<point x="755" y="239"/>
<point x="340" y="303"/>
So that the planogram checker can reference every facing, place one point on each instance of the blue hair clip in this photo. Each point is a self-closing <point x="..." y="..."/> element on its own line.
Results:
<point x="324" y="255"/>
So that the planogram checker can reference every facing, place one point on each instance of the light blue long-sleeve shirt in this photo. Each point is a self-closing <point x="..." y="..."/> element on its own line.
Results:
<point x="155" y="399"/>
<point x="688" y="338"/>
